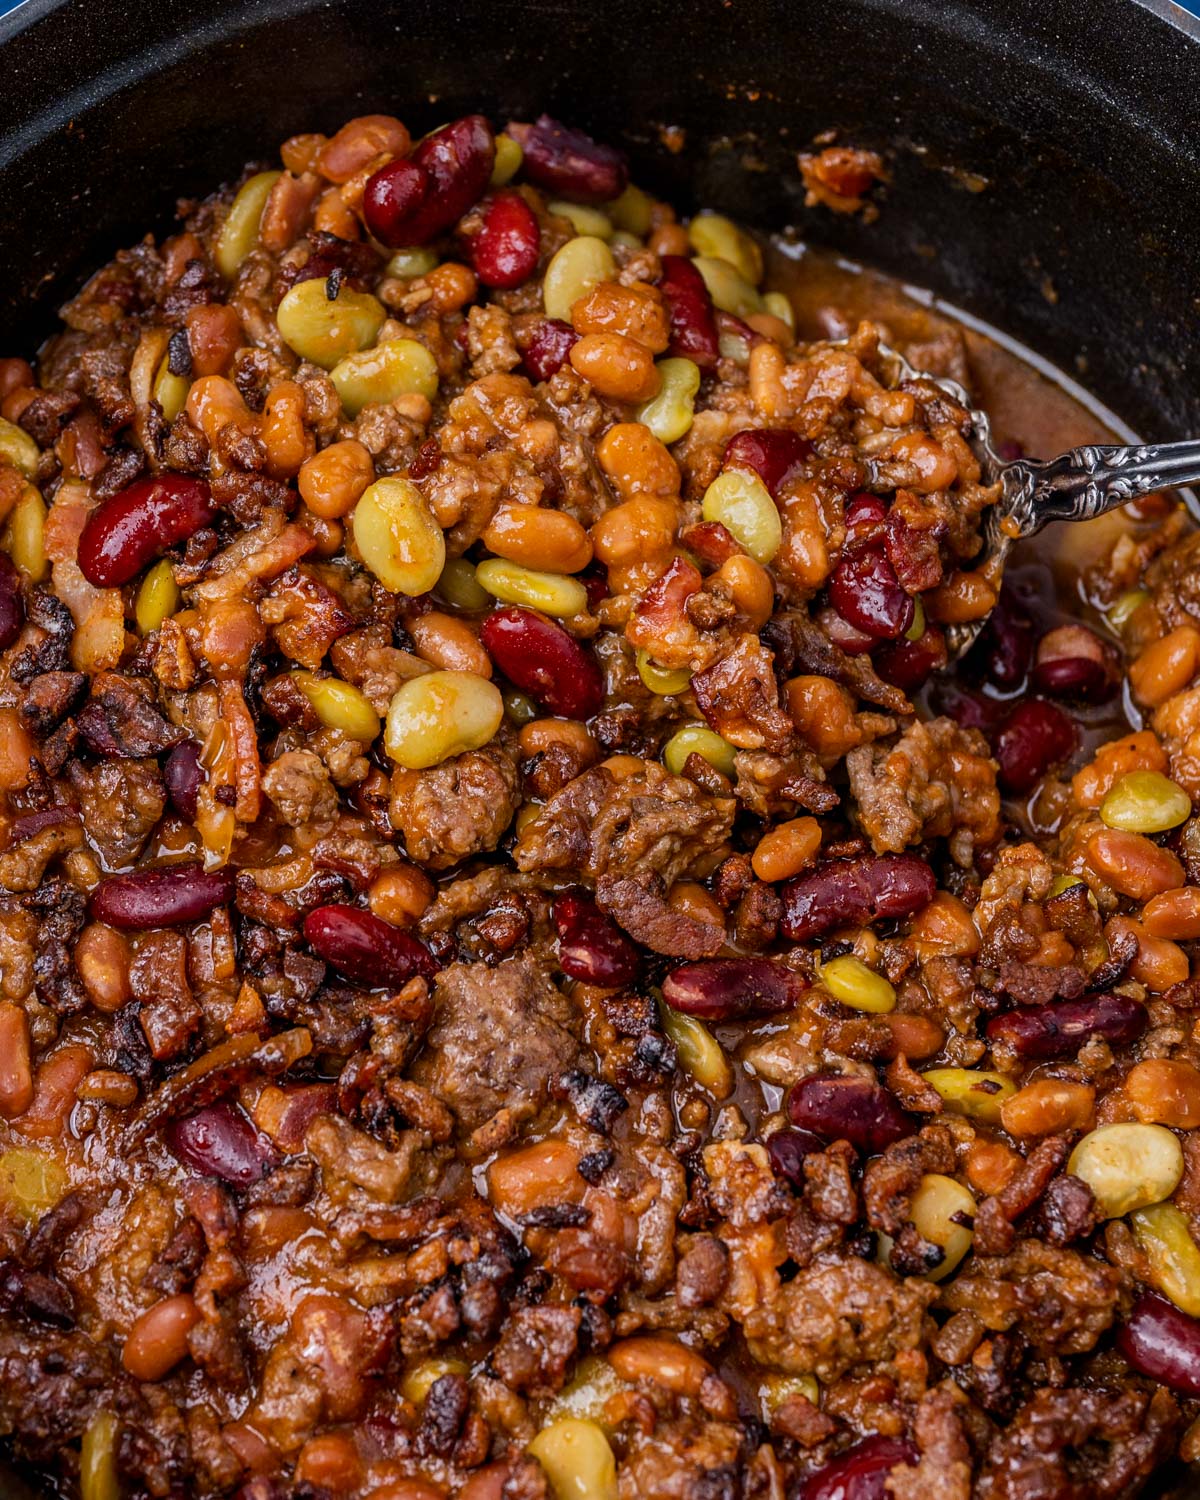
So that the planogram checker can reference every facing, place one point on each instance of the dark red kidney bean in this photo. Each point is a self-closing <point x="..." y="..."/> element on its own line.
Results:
<point x="864" y="513"/>
<point x="403" y="206"/>
<point x="505" y="251"/>
<point x="164" y="897"/>
<point x="855" y="891"/>
<point x="541" y="659"/>
<point x="139" y="523"/>
<point x="1060" y="1029"/>
<point x="365" y="948"/>
<point x="591" y="947"/>
<point x="547" y="350"/>
<point x="1073" y="662"/>
<point x="693" y="319"/>
<point x="845" y="1107"/>
<point x="866" y="593"/>
<point x="861" y="1473"/>
<point x="908" y="665"/>
<point x="773" y="453"/>
<point x="1035" y="737"/>
<point x="221" y="1141"/>
<point x="787" y="1149"/>
<point x="1161" y="1341"/>
<point x="1004" y="650"/>
<point x="392" y="198"/>
<point x="569" y="163"/>
<point x="970" y="709"/>
<point x="12" y="606"/>
<point x="731" y="989"/>
<point x="184" y="777"/>
<point x="1074" y="677"/>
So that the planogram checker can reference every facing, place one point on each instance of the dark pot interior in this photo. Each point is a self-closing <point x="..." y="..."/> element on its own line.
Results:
<point x="1081" y="129"/>
<point x="1045" y="173"/>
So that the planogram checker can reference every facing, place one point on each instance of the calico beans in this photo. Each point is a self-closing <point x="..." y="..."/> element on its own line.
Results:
<point x="325" y="331"/>
<point x="740" y="502"/>
<point x="577" y="1460"/>
<point x="580" y="265"/>
<point x="616" y="366"/>
<point x="700" y="1054"/>
<point x="669" y="415"/>
<point x="966" y="1091"/>
<point x="535" y="537"/>
<point x="1128" y="1166"/>
<point x="332" y="482"/>
<point x="698" y="739"/>
<point x="554" y="594"/>
<point x="239" y="233"/>
<point x="339" y="705"/>
<point x="397" y="536"/>
<point x="98" y="1477"/>
<point x="1165" y="1239"/>
<point x="449" y="643"/>
<point x="158" y="1339"/>
<point x="439" y="715"/>
<point x="849" y="980"/>
<point x="395" y="368"/>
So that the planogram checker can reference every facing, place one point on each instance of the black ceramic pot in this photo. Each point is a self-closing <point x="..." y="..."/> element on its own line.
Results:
<point x="1046" y="173"/>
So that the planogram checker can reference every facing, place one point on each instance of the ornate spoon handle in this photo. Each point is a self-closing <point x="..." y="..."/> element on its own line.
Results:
<point x="1090" y="480"/>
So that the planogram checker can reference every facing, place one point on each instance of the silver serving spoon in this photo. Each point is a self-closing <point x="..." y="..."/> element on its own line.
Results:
<point x="1076" y="486"/>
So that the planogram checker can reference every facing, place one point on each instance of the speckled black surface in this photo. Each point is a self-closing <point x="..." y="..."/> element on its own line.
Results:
<point x="1045" y="157"/>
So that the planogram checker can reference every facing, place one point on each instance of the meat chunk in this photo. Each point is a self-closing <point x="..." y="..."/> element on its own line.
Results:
<point x="459" y="808"/>
<point x="739" y="697"/>
<point x="937" y="781"/>
<point x="834" y="1316"/>
<point x="636" y="822"/>
<point x="120" y="802"/>
<point x="319" y="1369"/>
<point x="49" y="698"/>
<point x="299" y="786"/>
<point x="1061" y="1301"/>
<point x="120" y="719"/>
<point x="944" y="1469"/>
<point x="688" y="1459"/>
<point x="499" y="1037"/>
<point x="1097" y="1443"/>
<point x="48" y="1386"/>
<point x="772" y="784"/>
<point x="537" y="1347"/>
<point x="23" y="866"/>
<point x="644" y="912"/>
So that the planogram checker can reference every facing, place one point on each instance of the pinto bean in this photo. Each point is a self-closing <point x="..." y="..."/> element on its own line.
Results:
<point x="663" y="1361"/>
<point x="16" y="1075"/>
<point x="158" y="1339"/>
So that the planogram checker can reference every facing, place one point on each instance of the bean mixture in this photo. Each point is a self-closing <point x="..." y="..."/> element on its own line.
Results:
<point x="524" y="974"/>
